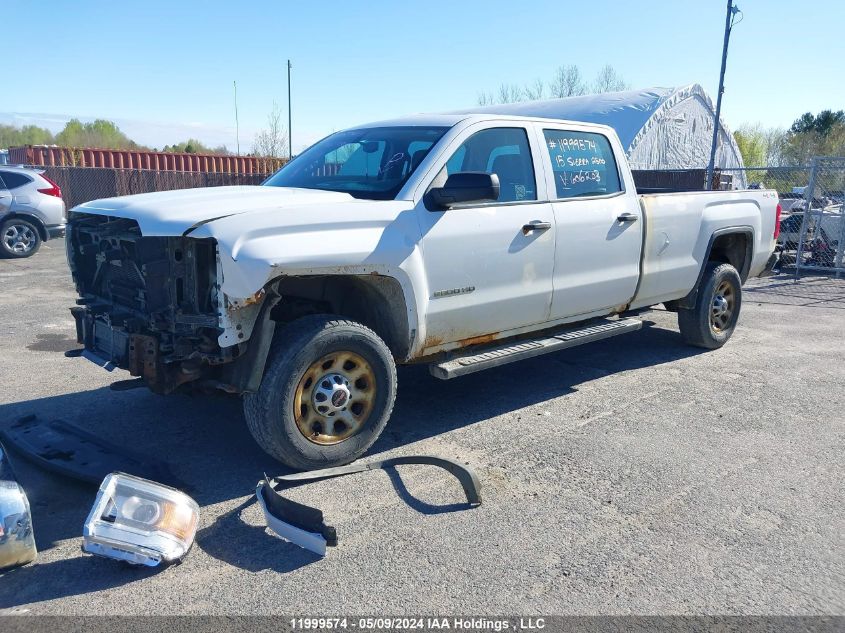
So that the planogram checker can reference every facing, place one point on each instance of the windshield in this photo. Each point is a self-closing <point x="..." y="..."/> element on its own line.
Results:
<point x="373" y="163"/>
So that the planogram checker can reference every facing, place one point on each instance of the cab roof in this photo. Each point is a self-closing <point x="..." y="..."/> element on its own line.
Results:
<point x="451" y="119"/>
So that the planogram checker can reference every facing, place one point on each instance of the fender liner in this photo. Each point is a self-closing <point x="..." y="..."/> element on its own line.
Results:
<point x="305" y="526"/>
<point x="248" y="370"/>
<point x="689" y="300"/>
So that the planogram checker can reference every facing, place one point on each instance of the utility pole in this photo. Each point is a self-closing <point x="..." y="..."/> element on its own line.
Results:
<point x="237" y="130"/>
<point x="729" y="23"/>
<point x="290" y="130"/>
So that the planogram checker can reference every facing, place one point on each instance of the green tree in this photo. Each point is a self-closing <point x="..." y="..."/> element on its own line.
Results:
<point x="753" y="145"/>
<point x="815" y="135"/>
<point x="100" y="133"/>
<point x="194" y="146"/>
<point x="823" y="124"/>
<point x="11" y="136"/>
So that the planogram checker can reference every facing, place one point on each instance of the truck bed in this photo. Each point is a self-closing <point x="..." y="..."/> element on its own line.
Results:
<point x="681" y="227"/>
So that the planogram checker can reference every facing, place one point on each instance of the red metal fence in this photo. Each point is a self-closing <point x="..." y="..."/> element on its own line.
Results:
<point x="45" y="156"/>
<point x="81" y="184"/>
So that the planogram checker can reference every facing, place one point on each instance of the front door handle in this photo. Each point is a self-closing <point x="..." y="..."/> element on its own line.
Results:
<point x="536" y="225"/>
<point x="627" y="217"/>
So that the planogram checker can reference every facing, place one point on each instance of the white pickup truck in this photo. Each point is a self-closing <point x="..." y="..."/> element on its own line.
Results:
<point x="460" y="241"/>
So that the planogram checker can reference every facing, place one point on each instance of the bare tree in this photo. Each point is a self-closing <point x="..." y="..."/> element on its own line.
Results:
<point x="535" y="91"/>
<point x="608" y="80"/>
<point x="272" y="141"/>
<point x="486" y="98"/>
<point x="510" y="93"/>
<point x="567" y="82"/>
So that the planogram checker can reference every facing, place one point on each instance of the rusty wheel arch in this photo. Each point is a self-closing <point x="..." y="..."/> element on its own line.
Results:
<point x="376" y="301"/>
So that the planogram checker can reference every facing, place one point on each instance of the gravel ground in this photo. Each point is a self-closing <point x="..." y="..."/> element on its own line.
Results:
<point x="635" y="475"/>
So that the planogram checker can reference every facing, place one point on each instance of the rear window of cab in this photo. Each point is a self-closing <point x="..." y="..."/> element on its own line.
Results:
<point x="583" y="164"/>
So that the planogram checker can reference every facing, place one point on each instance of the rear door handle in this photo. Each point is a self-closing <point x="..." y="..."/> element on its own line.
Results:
<point x="536" y="225"/>
<point x="627" y="217"/>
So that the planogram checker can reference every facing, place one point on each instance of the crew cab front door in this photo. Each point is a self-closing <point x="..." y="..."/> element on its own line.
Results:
<point x="598" y="221"/>
<point x="489" y="266"/>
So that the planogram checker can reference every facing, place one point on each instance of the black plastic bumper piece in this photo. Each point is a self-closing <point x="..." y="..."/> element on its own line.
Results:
<point x="70" y="451"/>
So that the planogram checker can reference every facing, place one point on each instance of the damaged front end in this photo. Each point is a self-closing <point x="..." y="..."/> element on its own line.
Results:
<point x="152" y="305"/>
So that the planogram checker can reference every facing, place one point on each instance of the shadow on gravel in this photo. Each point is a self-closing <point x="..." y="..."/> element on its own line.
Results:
<point x="206" y="442"/>
<point x="423" y="507"/>
<point x="251" y="547"/>
<point x="426" y="406"/>
<point x="67" y="577"/>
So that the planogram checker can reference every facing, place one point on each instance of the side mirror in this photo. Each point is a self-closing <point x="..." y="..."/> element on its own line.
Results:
<point x="17" y="543"/>
<point x="464" y="187"/>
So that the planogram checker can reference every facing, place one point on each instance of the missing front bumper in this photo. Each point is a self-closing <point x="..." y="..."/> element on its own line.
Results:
<point x="111" y="347"/>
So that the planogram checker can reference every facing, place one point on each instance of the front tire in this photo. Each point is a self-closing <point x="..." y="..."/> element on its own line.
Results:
<point x="327" y="393"/>
<point x="19" y="238"/>
<point x="712" y="321"/>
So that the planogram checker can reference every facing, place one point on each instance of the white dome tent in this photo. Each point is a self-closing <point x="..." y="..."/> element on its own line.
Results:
<point x="660" y="128"/>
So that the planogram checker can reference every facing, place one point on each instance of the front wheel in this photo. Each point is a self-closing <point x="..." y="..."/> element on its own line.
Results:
<point x="711" y="322"/>
<point x="327" y="393"/>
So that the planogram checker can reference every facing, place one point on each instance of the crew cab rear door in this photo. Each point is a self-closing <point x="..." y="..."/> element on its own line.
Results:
<point x="489" y="265"/>
<point x="598" y="221"/>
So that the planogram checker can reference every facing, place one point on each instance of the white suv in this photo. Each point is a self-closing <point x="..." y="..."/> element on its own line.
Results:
<point x="31" y="210"/>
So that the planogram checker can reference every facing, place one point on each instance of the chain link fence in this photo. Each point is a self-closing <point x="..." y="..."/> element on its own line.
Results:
<point x="812" y="228"/>
<point x="823" y="218"/>
<point x="82" y="184"/>
<point x="787" y="181"/>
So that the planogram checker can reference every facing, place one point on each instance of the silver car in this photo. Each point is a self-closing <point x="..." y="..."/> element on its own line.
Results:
<point x="31" y="210"/>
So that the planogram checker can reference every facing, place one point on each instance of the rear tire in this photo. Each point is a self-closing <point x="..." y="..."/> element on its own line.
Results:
<point x="712" y="321"/>
<point x="326" y="395"/>
<point x="19" y="238"/>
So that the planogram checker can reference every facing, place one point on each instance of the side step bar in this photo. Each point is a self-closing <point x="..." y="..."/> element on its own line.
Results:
<point x="528" y="348"/>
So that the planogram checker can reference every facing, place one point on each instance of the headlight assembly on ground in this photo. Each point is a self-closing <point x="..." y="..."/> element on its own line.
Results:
<point x="17" y="543"/>
<point x="140" y="522"/>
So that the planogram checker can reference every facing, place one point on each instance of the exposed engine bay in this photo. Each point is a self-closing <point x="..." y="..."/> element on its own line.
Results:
<point x="150" y="305"/>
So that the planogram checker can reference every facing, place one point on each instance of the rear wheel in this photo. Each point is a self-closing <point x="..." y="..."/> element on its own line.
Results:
<point x="711" y="322"/>
<point x="19" y="238"/>
<point x="327" y="393"/>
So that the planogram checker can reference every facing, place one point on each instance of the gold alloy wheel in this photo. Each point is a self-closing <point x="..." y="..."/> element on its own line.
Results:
<point x="334" y="398"/>
<point x="721" y="312"/>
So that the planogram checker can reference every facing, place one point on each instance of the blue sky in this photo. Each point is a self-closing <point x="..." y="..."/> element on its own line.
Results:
<point x="164" y="69"/>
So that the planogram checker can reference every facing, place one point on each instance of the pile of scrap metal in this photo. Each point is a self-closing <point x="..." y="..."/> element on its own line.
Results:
<point x="143" y="522"/>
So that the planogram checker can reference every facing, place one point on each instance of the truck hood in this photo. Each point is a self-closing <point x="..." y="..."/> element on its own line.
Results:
<point x="176" y="212"/>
